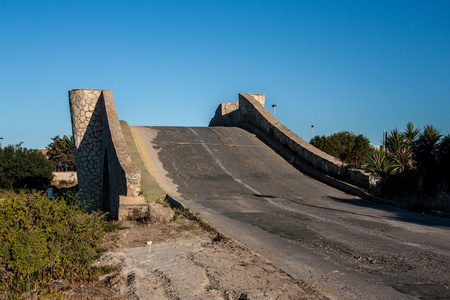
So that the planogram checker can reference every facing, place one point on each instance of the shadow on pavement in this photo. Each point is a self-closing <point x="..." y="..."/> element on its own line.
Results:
<point x="398" y="214"/>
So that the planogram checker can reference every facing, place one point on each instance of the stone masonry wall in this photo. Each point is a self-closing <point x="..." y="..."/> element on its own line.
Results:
<point x="253" y="112"/>
<point x="251" y="115"/>
<point x="86" y="109"/>
<point x="105" y="171"/>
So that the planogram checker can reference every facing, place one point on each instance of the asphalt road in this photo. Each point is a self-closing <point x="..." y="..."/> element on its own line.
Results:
<point x="347" y="247"/>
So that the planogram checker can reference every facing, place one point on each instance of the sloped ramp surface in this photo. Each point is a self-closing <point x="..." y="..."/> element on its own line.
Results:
<point x="350" y="248"/>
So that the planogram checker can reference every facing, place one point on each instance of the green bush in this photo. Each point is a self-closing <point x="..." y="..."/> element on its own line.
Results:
<point x="40" y="236"/>
<point x="345" y="145"/>
<point x="21" y="167"/>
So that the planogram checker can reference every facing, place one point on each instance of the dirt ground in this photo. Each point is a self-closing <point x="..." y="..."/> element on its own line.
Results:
<point x="180" y="260"/>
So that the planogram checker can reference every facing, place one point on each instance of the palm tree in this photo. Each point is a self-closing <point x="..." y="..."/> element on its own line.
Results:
<point x="428" y="144"/>
<point x="400" y="151"/>
<point x="427" y="153"/>
<point x="411" y="134"/>
<point x="378" y="162"/>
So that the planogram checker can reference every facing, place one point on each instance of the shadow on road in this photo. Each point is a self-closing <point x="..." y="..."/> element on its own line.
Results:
<point x="397" y="214"/>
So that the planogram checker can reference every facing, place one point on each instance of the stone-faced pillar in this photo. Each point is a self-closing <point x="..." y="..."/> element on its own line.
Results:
<point x="86" y="108"/>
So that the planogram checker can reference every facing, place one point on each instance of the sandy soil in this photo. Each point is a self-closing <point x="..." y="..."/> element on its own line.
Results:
<point x="180" y="260"/>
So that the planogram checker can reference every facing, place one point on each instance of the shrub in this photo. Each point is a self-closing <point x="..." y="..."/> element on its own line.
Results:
<point x="72" y="198"/>
<point x="41" y="236"/>
<point x="21" y="167"/>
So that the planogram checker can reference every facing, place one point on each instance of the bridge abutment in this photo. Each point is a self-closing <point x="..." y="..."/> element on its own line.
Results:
<point x="106" y="174"/>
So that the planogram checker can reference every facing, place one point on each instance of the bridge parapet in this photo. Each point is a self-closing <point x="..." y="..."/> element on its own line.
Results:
<point x="227" y="114"/>
<point x="249" y="113"/>
<point x="105" y="171"/>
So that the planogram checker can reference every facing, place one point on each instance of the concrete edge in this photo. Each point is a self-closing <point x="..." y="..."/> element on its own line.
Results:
<point x="304" y="166"/>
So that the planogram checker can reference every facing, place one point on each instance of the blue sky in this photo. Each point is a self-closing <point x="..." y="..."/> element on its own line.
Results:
<point x="361" y="66"/>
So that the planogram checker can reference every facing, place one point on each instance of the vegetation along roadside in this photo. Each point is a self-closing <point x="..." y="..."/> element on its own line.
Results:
<point x="413" y="164"/>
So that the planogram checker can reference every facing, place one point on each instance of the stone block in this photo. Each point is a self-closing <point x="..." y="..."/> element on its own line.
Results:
<point x="132" y="212"/>
<point x="131" y="200"/>
<point x="160" y="213"/>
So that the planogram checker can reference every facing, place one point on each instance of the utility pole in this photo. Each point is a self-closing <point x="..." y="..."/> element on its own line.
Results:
<point x="274" y="110"/>
<point x="312" y="131"/>
<point x="1" y="141"/>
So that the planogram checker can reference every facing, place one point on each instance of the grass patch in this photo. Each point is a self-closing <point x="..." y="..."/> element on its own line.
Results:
<point x="150" y="188"/>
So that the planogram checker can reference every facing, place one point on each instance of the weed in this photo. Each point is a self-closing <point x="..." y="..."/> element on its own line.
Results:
<point x="111" y="226"/>
<point x="188" y="214"/>
<point x="220" y="238"/>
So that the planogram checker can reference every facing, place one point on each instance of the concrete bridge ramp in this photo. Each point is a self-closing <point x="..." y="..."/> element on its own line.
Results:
<point x="350" y="248"/>
<point x="347" y="247"/>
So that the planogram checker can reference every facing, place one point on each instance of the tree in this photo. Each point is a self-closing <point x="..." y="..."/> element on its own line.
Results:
<point x="361" y="148"/>
<point x="427" y="153"/>
<point x="344" y="145"/>
<point x="323" y="143"/>
<point x="411" y="134"/>
<point x="24" y="168"/>
<point x="428" y="145"/>
<point x="62" y="152"/>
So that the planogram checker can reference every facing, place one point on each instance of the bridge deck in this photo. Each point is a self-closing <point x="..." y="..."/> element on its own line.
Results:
<point x="352" y="248"/>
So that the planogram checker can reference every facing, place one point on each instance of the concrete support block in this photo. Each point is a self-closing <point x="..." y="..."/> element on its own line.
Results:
<point x="132" y="212"/>
<point x="131" y="200"/>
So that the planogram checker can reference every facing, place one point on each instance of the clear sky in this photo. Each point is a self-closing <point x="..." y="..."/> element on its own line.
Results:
<point x="361" y="66"/>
